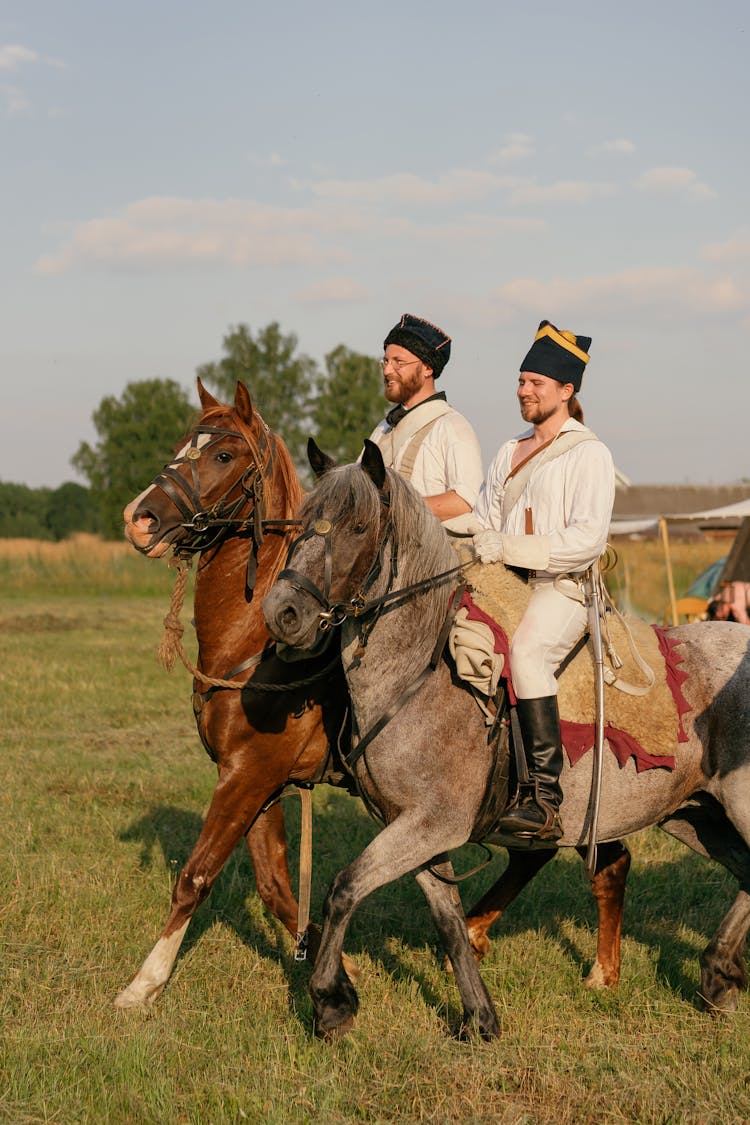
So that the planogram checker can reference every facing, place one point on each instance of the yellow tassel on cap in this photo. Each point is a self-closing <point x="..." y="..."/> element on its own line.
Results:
<point x="567" y="340"/>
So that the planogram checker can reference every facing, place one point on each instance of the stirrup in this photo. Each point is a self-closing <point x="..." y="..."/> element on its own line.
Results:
<point x="549" y="829"/>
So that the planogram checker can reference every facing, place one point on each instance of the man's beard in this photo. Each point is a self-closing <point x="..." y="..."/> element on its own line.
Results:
<point x="404" y="386"/>
<point x="533" y="412"/>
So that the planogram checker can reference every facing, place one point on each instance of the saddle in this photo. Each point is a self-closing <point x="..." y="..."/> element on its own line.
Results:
<point x="647" y="665"/>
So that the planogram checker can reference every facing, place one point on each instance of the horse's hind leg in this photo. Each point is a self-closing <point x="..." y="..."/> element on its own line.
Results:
<point x="704" y="826"/>
<point x="266" y="842"/>
<point x="722" y="965"/>
<point x="445" y="906"/>
<point x="521" y="869"/>
<point x="608" y="887"/>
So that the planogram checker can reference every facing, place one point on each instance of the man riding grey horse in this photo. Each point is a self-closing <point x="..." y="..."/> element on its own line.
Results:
<point x="422" y="437"/>
<point x="546" y="507"/>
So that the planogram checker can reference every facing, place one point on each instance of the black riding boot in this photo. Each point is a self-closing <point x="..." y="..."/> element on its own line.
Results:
<point x="534" y="812"/>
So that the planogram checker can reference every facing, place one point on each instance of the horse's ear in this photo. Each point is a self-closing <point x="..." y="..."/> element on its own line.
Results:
<point x="243" y="404"/>
<point x="320" y="462"/>
<point x="373" y="464"/>
<point x="207" y="399"/>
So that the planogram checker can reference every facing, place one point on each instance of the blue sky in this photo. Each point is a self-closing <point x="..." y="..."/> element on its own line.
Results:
<point x="170" y="170"/>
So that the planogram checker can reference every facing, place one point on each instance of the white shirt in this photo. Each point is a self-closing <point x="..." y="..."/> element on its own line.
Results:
<point x="449" y="457"/>
<point x="570" y="497"/>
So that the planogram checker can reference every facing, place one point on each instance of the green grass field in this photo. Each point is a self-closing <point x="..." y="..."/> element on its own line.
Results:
<point x="104" y="787"/>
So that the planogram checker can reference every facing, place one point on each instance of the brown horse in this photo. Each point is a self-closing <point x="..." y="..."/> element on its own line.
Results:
<point x="227" y="495"/>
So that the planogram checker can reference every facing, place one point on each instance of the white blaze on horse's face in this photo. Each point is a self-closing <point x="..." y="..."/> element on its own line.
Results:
<point x="138" y="530"/>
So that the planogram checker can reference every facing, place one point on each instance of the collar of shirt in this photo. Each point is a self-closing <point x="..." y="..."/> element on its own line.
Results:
<point x="394" y="416"/>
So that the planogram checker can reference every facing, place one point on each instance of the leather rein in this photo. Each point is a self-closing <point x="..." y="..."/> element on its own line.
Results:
<point x="360" y="606"/>
<point x="333" y="614"/>
<point x="207" y="527"/>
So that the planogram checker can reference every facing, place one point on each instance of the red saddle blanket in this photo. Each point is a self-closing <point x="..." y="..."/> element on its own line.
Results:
<point x="578" y="738"/>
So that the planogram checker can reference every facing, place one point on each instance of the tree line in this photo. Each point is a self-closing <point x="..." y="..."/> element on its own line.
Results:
<point x="137" y="431"/>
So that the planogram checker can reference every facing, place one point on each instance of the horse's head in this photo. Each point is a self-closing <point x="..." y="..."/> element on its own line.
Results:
<point x="216" y="482"/>
<point x="339" y="555"/>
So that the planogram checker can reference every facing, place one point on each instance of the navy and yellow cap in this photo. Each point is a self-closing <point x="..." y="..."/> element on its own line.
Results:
<point x="560" y="355"/>
<point x="424" y="340"/>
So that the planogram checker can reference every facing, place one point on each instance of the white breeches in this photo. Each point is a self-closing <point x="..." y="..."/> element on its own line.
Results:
<point x="548" y="630"/>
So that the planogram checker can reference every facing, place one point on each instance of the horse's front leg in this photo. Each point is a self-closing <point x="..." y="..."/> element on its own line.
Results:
<point x="236" y="802"/>
<point x="408" y="843"/>
<point x="445" y="906"/>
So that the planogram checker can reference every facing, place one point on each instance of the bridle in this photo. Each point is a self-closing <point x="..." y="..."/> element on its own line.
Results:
<point x="359" y="605"/>
<point x="241" y="508"/>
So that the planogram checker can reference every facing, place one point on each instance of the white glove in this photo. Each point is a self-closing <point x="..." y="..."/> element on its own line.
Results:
<point x="488" y="545"/>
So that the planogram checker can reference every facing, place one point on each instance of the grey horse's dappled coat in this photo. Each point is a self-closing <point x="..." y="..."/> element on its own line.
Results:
<point x="428" y="768"/>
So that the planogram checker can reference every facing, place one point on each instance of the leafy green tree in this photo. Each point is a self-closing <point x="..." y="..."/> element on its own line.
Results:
<point x="137" y="434"/>
<point x="280" y="381"/>
<point x="23" y="511"/>
<point x="70" y="508"/>
<point x="350" y="403"/>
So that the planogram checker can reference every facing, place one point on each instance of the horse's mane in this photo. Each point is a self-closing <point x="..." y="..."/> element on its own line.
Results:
<point x="347" y="493"/>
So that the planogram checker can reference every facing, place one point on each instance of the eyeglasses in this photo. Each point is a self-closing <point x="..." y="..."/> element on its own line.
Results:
<point x="397" y="364"/>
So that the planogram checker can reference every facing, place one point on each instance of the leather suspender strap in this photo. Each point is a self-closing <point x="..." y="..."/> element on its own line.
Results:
<point x="406" y="468"/>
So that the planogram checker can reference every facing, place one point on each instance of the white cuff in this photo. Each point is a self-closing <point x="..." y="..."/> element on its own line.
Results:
<point x="530" y="551"/>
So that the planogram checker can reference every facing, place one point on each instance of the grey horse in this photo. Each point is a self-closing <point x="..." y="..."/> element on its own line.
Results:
<point x="367" y="536"/>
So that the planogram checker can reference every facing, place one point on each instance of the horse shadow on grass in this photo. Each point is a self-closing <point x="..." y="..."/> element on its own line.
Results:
<point x="665" y="901"/>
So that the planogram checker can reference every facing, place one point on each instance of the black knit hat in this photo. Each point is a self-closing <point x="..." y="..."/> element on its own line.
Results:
<point x="561" y="355"/>
<point x="424" y="340"/>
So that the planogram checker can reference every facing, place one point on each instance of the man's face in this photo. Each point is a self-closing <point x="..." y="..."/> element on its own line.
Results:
<point x="403" y="374"/>
<point x="540" y="396"/>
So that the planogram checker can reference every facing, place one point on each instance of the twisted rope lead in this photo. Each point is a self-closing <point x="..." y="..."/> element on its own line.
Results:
<point x="171" y="642"/>
<point x="170" y="647"/>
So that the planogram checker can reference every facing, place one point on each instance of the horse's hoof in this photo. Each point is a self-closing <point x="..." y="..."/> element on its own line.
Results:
<point x="330" y="1033"/>
<point x="486" y="1026"/>
<point x="724" y="1005"/>
<point x="597" y="980"/>
<point x="134" y="1000"/>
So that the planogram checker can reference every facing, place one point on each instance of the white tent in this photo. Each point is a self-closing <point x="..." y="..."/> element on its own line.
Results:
<point x="738" y="512"/>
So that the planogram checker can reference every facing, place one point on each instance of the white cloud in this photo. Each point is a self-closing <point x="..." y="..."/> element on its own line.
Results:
<point x="160" y="233"/>
<point x="649" y="288"/>
<point x="15" y="102"/>
<point x="460" y="185"/>
<point x="164" y="233"/>
<point x="267" y="160"/>
<point x="619" y="147"/>
<point x="736" y="248"/>
<point x="669" y="180"/>
<point x="332" y="290"/>
<point x="564" y="191"/>
<point x="455" y="186"/>
<point x="516" y="146"/>
<point x="13" y="57"/>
